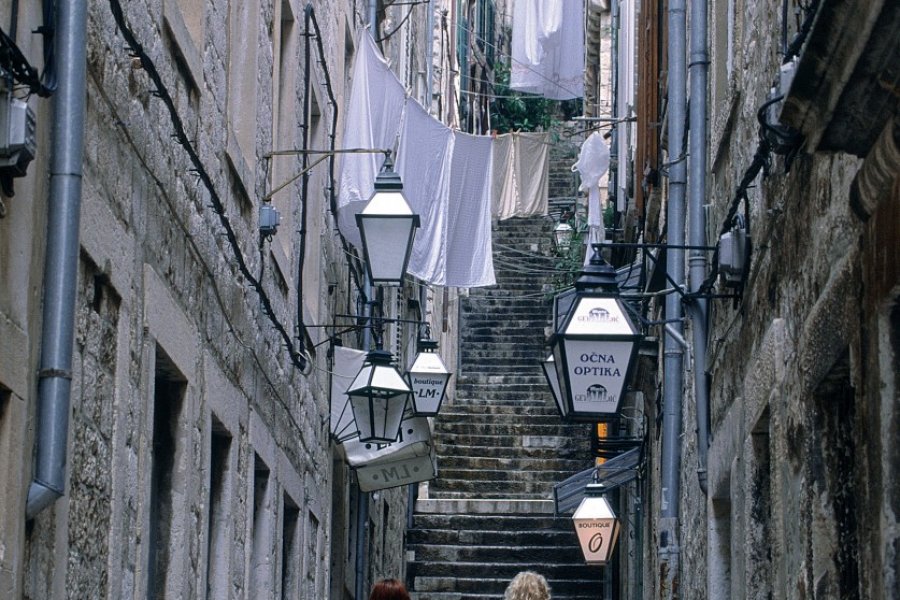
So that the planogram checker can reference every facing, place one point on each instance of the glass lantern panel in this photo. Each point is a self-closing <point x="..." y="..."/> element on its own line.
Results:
<point x="596" y="373"/>
<point x="387" y="241"/>
<point x="598" y="316"/>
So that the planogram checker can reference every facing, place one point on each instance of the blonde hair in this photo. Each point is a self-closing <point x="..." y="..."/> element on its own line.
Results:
<point x="527" y="585"/>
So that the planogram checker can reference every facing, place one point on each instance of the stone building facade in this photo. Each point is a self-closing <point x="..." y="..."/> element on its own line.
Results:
<point x="198" y="458"/>
<point x="796" y="496"/>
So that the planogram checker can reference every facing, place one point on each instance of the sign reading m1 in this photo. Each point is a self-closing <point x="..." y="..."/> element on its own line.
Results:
<point x="390" y="474"/>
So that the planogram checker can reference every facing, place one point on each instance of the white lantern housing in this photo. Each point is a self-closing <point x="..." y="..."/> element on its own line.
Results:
<point x="562" y="237"/>
<point x="428" y="378"/>
<point x="596" y="525"/>
<point x="378" y="397"/>
<point x="594" y="346"/>
<point x="548" y="365"/>
<point x="387" y="226"/>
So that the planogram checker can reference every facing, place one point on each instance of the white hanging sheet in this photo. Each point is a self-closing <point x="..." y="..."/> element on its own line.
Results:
<point x="423" y="162"/>
<point x="347" y="363"/>
<point x="548" y="48"/>
<point x="469" y="248"/>
<point x="373" y="121"/>
<point x="521" y="175"/>
<point x="447" y="183"/>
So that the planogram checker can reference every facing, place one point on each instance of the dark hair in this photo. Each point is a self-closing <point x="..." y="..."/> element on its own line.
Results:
<point x="389" y="589"/>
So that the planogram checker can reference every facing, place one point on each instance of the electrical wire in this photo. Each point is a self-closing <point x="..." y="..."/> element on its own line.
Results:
<point x="162" y="92"/>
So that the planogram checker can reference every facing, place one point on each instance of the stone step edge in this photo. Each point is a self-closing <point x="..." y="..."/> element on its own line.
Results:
<point x="483" y="506"/>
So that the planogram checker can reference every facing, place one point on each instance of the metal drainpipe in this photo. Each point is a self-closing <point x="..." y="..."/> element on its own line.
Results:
<point x="373" y="17"/>
<point x="61" y="260"/>
<point x="699" y="65"/>
<point x="363" y="501"/>
<point x="429" y="55"/>
<point x="674" y="354"/>
<point x="614" y="104"/>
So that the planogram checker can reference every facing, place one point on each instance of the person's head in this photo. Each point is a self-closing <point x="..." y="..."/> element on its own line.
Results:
<point x="389" y="589"/>
<point x="527" y="585"/>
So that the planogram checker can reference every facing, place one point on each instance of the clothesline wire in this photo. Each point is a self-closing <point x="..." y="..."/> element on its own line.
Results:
<point x="512" y="58"/>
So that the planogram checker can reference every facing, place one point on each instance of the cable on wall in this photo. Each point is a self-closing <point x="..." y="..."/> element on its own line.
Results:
<point x="162" y="92"/>
<point x="355" y="266"/>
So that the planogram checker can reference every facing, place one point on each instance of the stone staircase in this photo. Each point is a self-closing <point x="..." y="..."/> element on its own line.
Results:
<point x="501" y="446"/>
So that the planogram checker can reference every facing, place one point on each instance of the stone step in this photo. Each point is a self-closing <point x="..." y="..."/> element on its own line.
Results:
<point x="500" y="443"/>
<point x="560" y="556"/>
<point x="527" y="377"/>
<point x="525" y="416"/>
<point x="449" y="450"/>
<point x="498" y="429"/>
<point x="458" y="489"/>
<point x="459" y="408"/>
<point x="525" y="481"/>
<point x="494" y="579"/>
<point x="537" y="396"/>
<point x="490" y="521"/>
<point x="554" y="441"/>
<point x="515" y="467"/>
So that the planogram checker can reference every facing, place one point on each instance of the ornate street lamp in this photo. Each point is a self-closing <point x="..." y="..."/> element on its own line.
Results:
<point x="378" y="397"/>
<point x="562" y="237"/>
<point x="387" y="226"/>
<point x="594" y="344"/>
<point x="596" y="525"/>
<point x="428" y="378"/>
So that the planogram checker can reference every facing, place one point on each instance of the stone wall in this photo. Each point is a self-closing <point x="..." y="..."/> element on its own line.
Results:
<point x="199" y="456"/>
<point x="799" y="502"/>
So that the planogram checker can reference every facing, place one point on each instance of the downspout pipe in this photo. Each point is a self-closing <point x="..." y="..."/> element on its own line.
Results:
<point x="61" y="260"/>
<point x="669" y="549"/>
<point x="429" y="59"/>
<point x="362" y="502"/>
<point x="373" y="17"/>
<point x="614" y="92"/>
<point x="699" y="309"/>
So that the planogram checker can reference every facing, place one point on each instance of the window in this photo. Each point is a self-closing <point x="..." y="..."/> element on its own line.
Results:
<point x="243" y="48"/>
<point x="167" y="452"/>
<point x="759" y="510"/>
<point x="290" y="550"/>
<point x="314" y="559"/>
<point x="185" y="28"/>
<point x="720" y="549"/>
<point x="722" y="64"/>
<point x="285" y="129"/>
<point x="832" y="484"/>
<point x="261" y="582"/>
<point x="218" y="548"/>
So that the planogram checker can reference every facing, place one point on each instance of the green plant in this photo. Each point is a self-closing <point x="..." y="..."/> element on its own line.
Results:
<point x="514" y="111"/>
